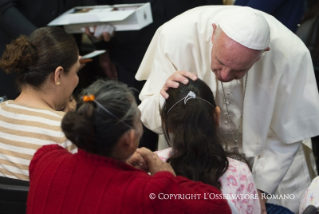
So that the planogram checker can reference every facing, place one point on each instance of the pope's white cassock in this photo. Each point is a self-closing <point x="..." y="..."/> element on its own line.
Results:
<point x="281" y="105"/>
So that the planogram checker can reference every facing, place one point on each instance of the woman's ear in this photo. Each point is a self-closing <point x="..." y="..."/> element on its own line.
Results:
<point x="132" y="140"/>
<point x="126" y="146"/>
<point x="57" y="75"/>
<point x="128" y="141"/>
<point x="216" y="115"/>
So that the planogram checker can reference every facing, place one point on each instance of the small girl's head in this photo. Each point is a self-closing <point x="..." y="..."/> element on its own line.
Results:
<point x="106" y="121"/>
<point x="191" y="108"/>
<point x="191" y="115"/>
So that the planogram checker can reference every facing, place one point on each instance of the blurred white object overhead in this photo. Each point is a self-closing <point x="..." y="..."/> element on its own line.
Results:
<point x="122" y="17"/>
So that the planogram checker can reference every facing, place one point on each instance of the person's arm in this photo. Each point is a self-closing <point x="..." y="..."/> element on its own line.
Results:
<point x="155" y="68"/>
<point x="294" y="118"/>
<point x="12" y="21"/>
<point x="39" y="155"/>
<point x="271" y="166"/>
<point x="161" y="73"/>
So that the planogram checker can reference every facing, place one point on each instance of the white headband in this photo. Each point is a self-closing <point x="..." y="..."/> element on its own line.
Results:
<point x="190" y="95"/>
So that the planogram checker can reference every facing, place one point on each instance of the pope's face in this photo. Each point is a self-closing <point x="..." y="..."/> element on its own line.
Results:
<point x="224" y="73"/>
<point x="230" y="60"/>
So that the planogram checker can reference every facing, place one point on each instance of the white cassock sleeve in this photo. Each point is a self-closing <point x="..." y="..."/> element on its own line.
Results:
<point x="271" y="166"/>
<point x="155" y="68"/>
<point x="167" y="53"/>
<point x="294" y="118"/>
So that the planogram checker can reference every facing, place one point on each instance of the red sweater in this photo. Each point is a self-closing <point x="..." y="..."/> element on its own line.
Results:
<point x="61" y="182"/>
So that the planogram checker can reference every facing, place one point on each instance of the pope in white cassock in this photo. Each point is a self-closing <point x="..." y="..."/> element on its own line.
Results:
<point x="263" y="80"/>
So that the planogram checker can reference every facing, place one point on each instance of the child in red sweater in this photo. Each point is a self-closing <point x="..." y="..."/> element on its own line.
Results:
<point x="106" y="128"/>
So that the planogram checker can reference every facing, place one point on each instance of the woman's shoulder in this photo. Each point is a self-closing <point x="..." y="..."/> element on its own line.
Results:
<point x="46" y="152"/>
<point x="25" y="109"/>
<point x="24" y="120"/>
<point x="52" y="151"/>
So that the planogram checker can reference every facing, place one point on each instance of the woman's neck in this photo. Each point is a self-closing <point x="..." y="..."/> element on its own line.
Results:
<point x="36" y="98"/>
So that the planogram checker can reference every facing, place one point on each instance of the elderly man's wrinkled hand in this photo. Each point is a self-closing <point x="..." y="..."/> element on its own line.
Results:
<point x="176" y="78"/>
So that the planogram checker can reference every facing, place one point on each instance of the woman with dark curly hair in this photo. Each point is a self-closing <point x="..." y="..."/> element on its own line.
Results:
<point x="47" y="63"/>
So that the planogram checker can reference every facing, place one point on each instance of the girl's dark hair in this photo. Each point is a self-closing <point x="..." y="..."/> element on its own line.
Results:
<point x="93" y="129"/>
<point x="198" y="153"/>
<point x="37" y="56"/>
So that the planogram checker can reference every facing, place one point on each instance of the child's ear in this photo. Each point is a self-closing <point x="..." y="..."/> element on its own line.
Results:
<point x="216" y="115"/>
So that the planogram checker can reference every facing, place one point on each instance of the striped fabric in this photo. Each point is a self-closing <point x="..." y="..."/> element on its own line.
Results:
<point x="23" y="130"/>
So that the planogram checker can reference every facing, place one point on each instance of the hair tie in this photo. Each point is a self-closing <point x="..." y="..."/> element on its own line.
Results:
<point x="91" y="98"/>
<point x="88" y="98"/>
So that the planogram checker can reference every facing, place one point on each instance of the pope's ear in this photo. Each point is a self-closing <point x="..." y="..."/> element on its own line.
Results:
<point x="214" y="29"/>
<point x="217" y="115"/>
<point x="267" y="49"/>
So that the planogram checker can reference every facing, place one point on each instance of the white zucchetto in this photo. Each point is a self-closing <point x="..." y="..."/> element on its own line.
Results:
<point x="247" y="27"/>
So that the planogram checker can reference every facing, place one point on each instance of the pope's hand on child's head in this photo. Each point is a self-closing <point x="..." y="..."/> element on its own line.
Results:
<point x="174" y="80"/>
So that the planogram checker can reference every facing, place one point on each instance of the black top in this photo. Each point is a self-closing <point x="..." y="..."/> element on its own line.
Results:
<point x="23" y="17"/>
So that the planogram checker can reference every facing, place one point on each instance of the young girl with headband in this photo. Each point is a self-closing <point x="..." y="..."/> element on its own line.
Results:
<point x="190" y="120"/>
